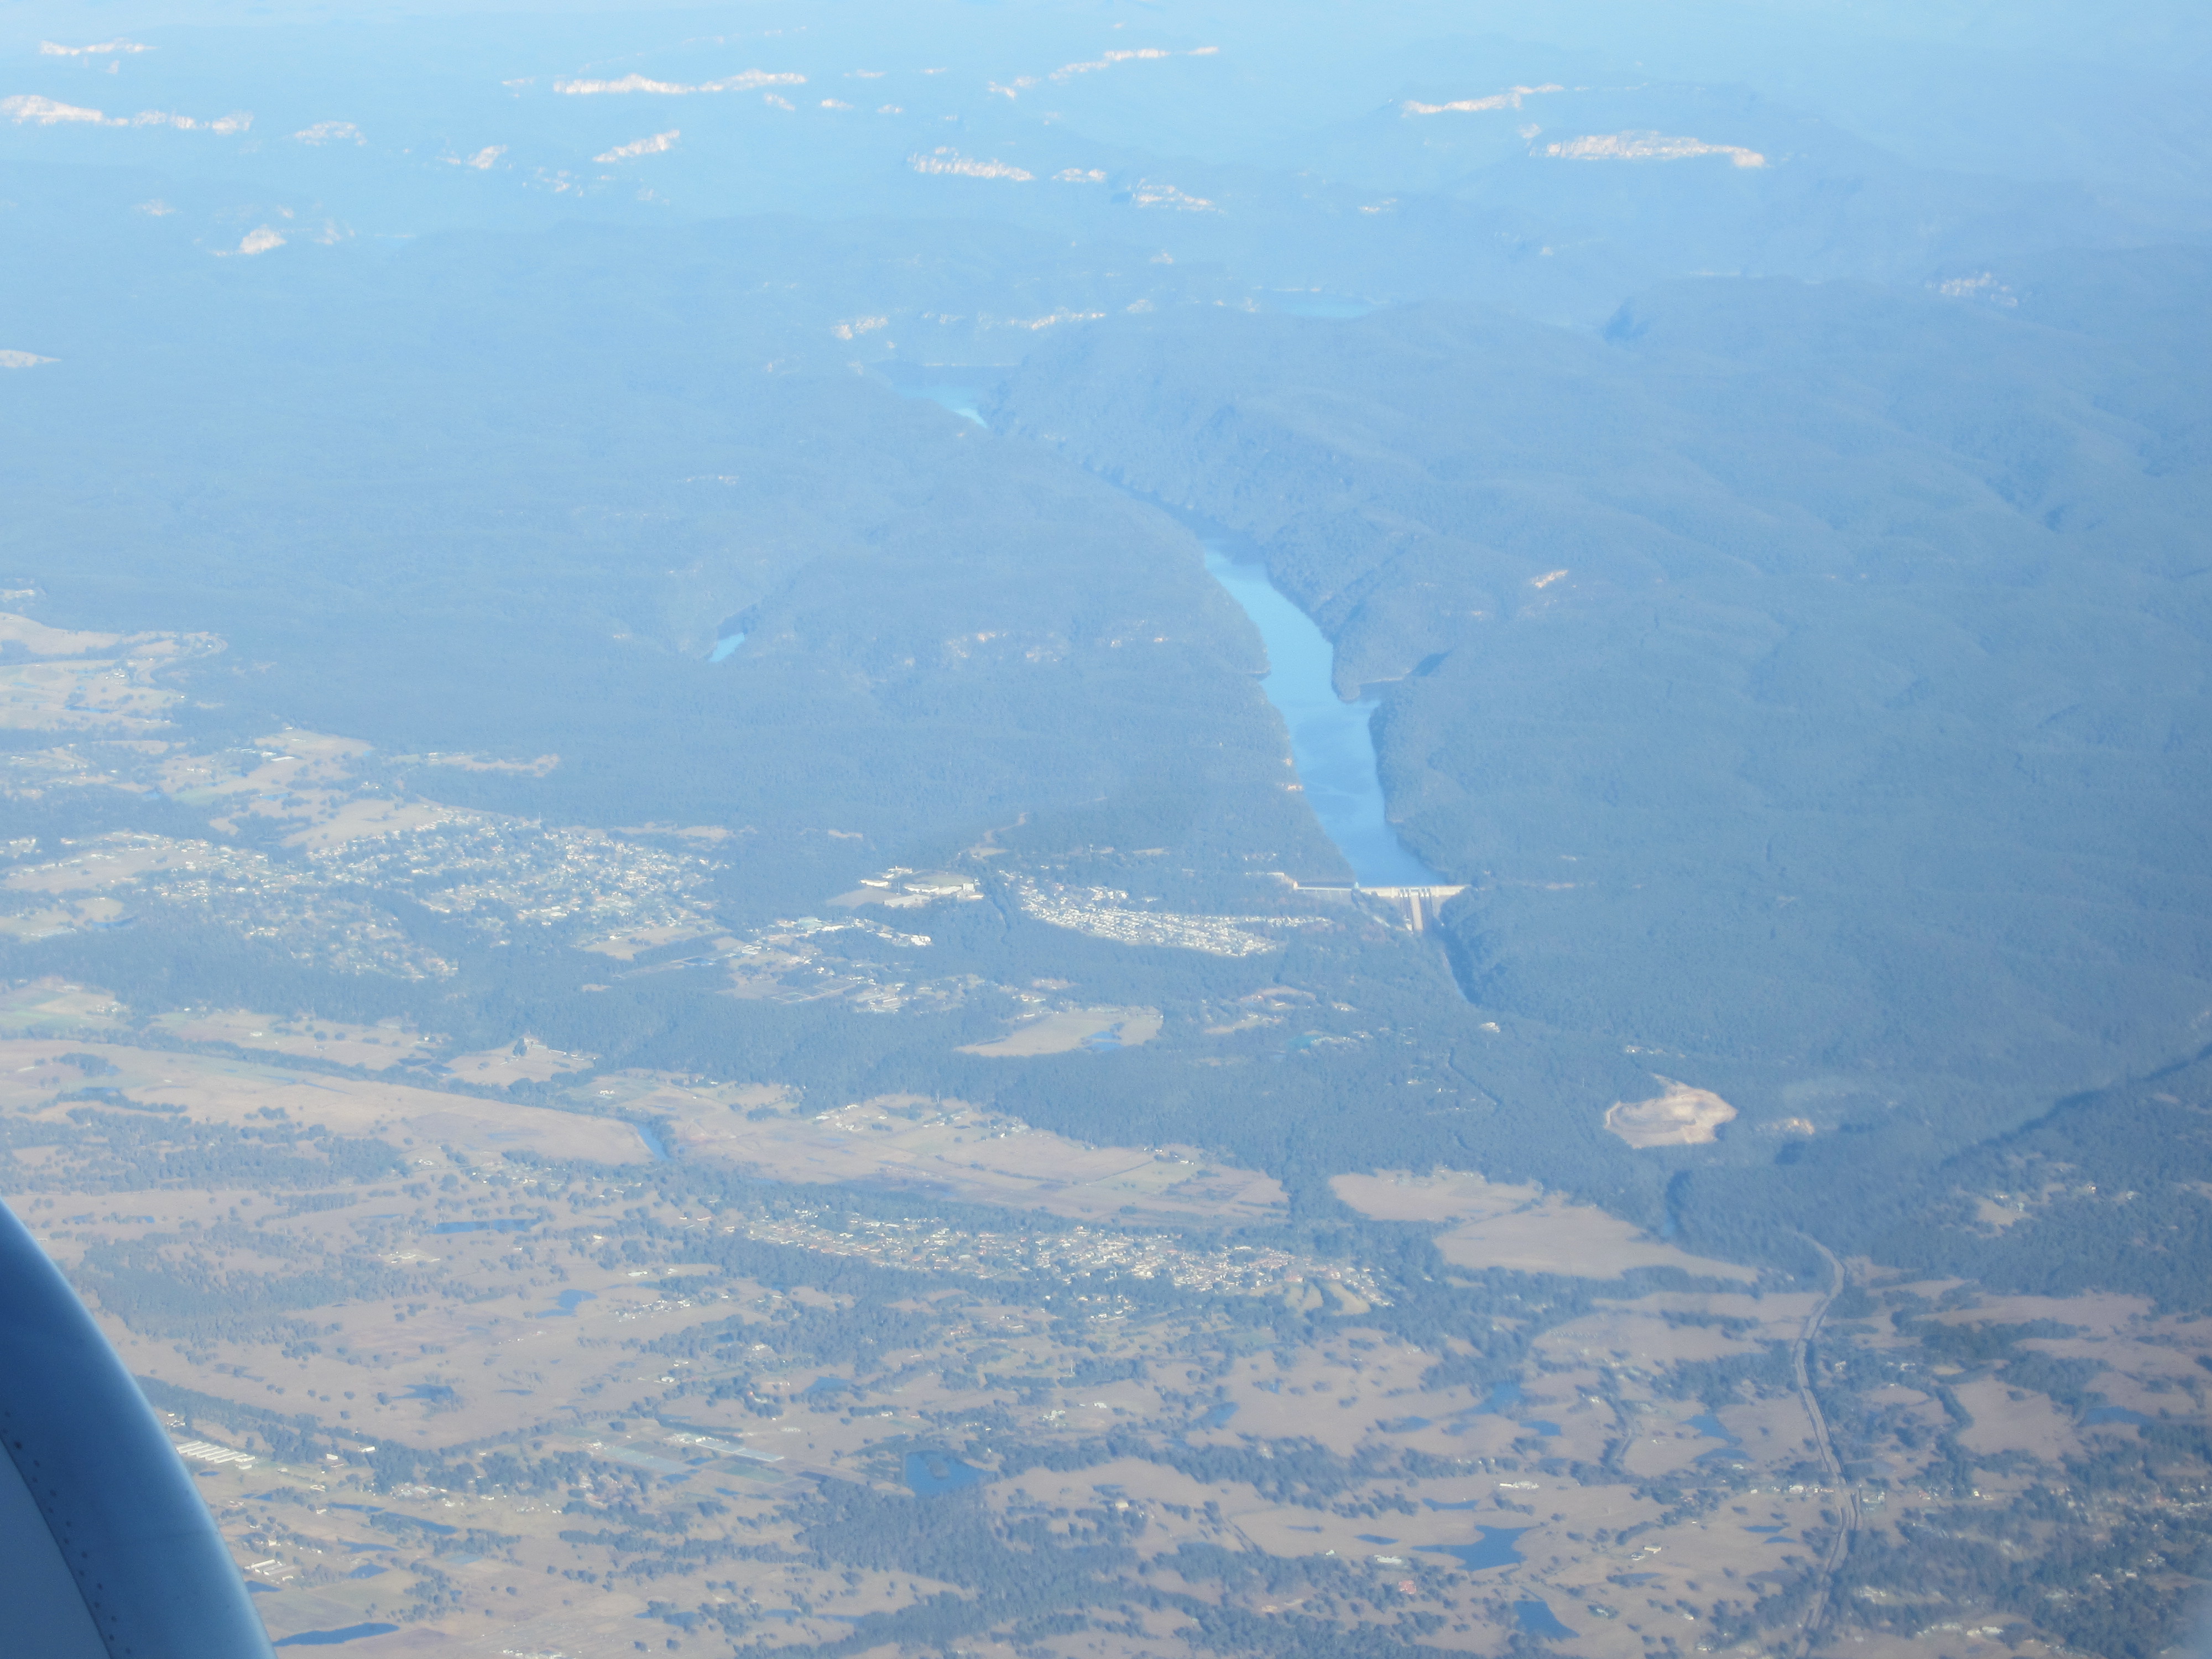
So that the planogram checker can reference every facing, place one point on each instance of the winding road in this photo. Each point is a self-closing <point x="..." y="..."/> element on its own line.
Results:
<point x="1840" y="1546"/>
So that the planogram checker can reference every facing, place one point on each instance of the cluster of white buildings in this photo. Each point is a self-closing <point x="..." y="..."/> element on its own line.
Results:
<point x="1105" y="912"/>
<point x="919" y="1245"/>
<point x="487" y="869"/>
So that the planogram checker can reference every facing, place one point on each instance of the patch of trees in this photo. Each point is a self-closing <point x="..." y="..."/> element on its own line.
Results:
<point x="159" y="1284"/>
<point x="116" y="1149"/>
<point x="859" y="1335"/>
<point x="293" y="1437"/>
<point x="1717" y="1382"/>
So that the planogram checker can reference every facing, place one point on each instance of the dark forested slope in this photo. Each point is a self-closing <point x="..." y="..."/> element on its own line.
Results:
<point x="1810" y="676"/>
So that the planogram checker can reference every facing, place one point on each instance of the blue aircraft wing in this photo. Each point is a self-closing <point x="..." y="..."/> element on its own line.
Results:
<point x="106" y="1551"/>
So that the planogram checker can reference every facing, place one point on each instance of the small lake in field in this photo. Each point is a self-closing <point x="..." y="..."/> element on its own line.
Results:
<point x="1498" y="1546"/>
<point x="1500" y="1402"/>
<point x="328" y="1639"/>
<point x="2096" y="1416"/>
<point x="1537" y="1618"/>
<point x="928" y="1474"/>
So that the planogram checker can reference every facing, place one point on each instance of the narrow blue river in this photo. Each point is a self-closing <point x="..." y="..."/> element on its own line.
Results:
<point x="1331" y="742"/>
<point x="1330" y="738"/>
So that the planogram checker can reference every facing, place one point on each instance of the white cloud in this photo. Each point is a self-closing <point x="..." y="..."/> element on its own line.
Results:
<point x="330" y="132"/>
<point x="860" y="326"/>
<point x="746" y="81"/>
<point x="889" y="109"/>
<point x="831" y="103"/>
<point x="156" y="209"/>
<point x="260" y="240"/>
<point x="1079" y="176"/>
<point x="1034" y="324"/>
<point x="628" y="83"/>
<point x="1509" y="99"/>
<point x="28" y="109"/>
<point x="774" y="102"/>
<point x="1649" y="147"/>
<point x="49" y="49"/>
<point x="1148" y="194"/>
<point x="1985" y="287"/>
<point x="482" y="161"/>
<point x="1107" y="60"/>
<point x="22" y="359"/>
<point x="660" y="144"/>
<point x="951" y="160"/>
<point x="225" y="125"/>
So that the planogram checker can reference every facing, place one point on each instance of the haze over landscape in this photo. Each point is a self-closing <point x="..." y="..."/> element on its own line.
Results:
<point x="847" y="829"/>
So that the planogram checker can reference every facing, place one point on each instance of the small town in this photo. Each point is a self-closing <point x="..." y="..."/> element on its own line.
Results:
<point x="1104" y="912"/>
<point x="1078" y="1256"/>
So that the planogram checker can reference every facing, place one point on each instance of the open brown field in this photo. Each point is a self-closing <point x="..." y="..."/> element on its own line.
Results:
<point x="2008" y="1420"/>
<point x="27" y="774"/>
<point x="1522" y="1228"/>
<point x="626" y="945"/>
<point x="905" y="1141"/>
<point x="213" y="1089"/>
<point x="331" y="823"/>
<point x="102" y="868"/>
<point x="375" y="1046"/>
<point x="536" y="1063"/>
<point x="538" y="766"/>
<point x="631" y="1406"/>
<point x="59" y="1002"/>
<point x="1438" y="1195"/>
<point x="307" y="779"/>
<point x="1558" y="1237"/>
<point x="89" y="683"/>
<point x="40" y="639"/>
<point x="65" y="917"/>
<point x="1066" y="1030"/>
